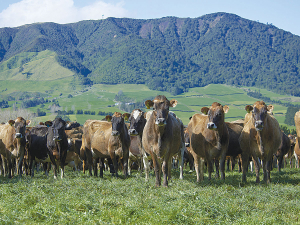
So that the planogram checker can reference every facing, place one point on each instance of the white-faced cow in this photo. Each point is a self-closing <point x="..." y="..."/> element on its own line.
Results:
<point x="209" y="138"/>
<point x="103" y="139"/>
<point x="12" y="137"/>
<point x="260" y="138"/>
<point x="48" y="144"/>
<point x="137" y="121"/>
<point x="163" y="137"/>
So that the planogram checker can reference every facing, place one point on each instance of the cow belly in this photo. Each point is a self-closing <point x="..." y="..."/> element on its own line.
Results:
<point x="42" y="160"/>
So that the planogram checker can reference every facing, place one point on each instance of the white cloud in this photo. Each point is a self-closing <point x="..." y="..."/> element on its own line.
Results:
<point x="58" y="11"/>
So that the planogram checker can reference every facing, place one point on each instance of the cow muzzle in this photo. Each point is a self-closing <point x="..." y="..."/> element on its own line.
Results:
<point x="132" y="132"/>
<point x="160" y="121"/>
<point x="259" y="125"/>
<point x="211" y="126"/>
<point x="56" y="138"/>
<point x="115" y="133"/>
<point x="19" y="135"/>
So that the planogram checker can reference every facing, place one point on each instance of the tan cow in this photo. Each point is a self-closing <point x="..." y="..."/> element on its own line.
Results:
<point x="163" y="137"/>
<point x="103" y="139"/>
<point x="12" y="135"/>
<point x="260" y="138"/>
<point x="209" y="138"/>
<point x="297" y="145"/>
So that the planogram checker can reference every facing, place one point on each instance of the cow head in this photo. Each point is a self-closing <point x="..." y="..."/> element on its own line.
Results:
<point x="71" y="125"/>
<point x="118" y="123"/>
<point x="58" y="129"/>
<point x="259" y="113"/>
<point x="20" y="126"/>
<point x="161" y="108"/>
<point x="186" y="138"/>
<point x="137" y="122"/>
<point x="215" y="115"/>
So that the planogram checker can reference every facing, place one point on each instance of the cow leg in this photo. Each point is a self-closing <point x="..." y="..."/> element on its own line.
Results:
<point x="9" y="165"/>
<point x="157" y="169"/>
<point x="257" y="167"/>
<point x="101" y="167"/>
<point x="268" y="171"/>
<point x="115" y="162"/>
<point x="210" y="168"/>
<point x="222" y="165"/>
<point x="146" y="165"/>
<point x="181" y="158"/>
<point x="125" y="162"/>
<point x="232" y="163"/>
<point x="129" y="169"/>
<point x="279" y="163"/>
<point x="199" y="167"/>
<point x="165" y="168"/>
<point x="217" y="165"/>
<point x="32" y="165"/>
<point x="245" y="164"/>
<point x="95" y="161"/>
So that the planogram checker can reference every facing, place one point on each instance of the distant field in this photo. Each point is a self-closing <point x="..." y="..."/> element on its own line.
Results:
<point x="100" y="97"/>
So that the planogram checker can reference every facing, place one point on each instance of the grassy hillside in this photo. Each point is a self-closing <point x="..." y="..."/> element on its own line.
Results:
<point x="101" y="98"/>
<point x="30" y="66"/>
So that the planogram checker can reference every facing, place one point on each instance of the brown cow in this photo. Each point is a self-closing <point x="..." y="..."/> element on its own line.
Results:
<point x="260" y="138"/>
<point x="12" y="135"/>
<point x="283" y="149"/>
<point x="209" y="138"/>
<point x="234" y="148"/>
<point x="297" y="145"/>
<point x="163" y="137"/>
<point x="291" y="152"/>
<point x="102" y="139"/>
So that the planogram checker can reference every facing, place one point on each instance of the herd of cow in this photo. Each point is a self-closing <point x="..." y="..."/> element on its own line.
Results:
<point x="158" y="135"/>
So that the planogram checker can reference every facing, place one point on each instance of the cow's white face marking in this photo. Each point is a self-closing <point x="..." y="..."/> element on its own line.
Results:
<point x="136" y="114"/>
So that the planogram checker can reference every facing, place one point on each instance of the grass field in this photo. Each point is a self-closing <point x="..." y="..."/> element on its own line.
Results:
<point x="100" y="97"/>
<point x="80" y="199"/>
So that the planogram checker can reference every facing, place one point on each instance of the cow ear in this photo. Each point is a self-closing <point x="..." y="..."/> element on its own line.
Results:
<point x="204" y="110"/>
<point x="270" y="108"/>
<point x="28" y="122"/>
<point x="149" y="104"/>
<point x="11" y="122"/>
<point x="108" y="118"/>
<point x="225" y="108"/>
<point x="248" y="108"/>
<point x="126" y="116"/>
<point x="48" y="123"/>
<point x="173" y="103"/>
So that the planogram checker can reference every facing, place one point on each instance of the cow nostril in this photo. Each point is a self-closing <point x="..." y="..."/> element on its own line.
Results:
<point x="115" y="133"/>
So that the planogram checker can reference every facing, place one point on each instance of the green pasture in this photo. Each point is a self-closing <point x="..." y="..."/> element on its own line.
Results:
<point x="80" y="199"/>
<point x="100" y="97"/>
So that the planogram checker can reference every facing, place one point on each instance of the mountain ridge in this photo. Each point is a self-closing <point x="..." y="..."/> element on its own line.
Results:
<point x="167" y="54"/>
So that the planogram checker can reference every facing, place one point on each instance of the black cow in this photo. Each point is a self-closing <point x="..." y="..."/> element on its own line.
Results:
<point x="48" y="144"/>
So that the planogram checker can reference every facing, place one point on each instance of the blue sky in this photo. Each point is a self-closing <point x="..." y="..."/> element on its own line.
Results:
<point x="282" y="14"/>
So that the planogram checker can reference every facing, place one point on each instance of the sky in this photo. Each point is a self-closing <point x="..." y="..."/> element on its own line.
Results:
<point x="284" y="14"/>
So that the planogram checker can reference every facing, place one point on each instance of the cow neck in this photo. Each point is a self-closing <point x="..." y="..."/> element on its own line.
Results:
<point x="19" y="145"/>
<point x="260" y="135"/>
<point x="219" y="134"/>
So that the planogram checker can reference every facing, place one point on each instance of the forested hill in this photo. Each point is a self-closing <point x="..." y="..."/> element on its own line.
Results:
<point x="170" y="53"/>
